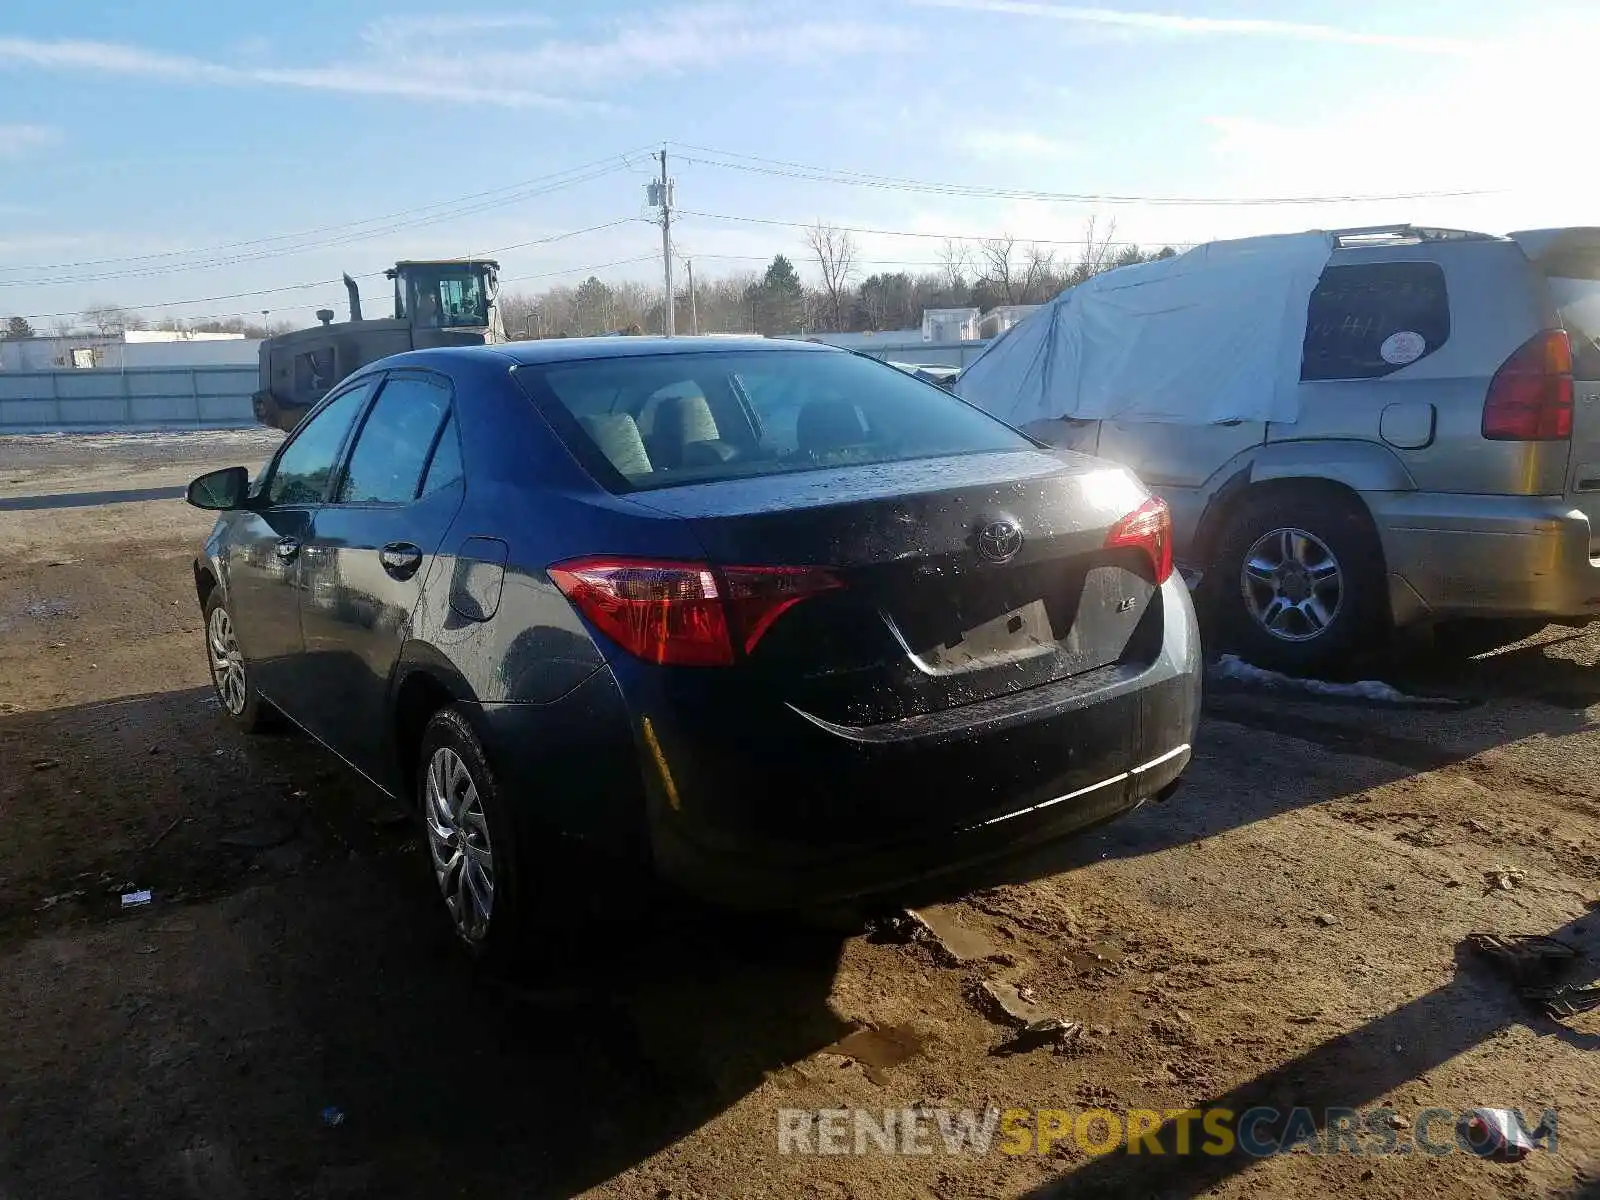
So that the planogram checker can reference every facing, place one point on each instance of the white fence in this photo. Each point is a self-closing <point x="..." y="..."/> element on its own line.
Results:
<point x="215" y="397"/>
<point x="218" y="397"/>
<point x="923" y="354"/>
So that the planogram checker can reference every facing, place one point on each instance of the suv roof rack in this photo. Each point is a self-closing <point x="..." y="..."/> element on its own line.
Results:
<point x="1404" y="233"/>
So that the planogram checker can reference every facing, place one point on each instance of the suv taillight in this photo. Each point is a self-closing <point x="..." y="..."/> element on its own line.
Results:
<point x="1530" y="397"/>
<point x="685" y="614"/>
<point x="1147" y="528"/>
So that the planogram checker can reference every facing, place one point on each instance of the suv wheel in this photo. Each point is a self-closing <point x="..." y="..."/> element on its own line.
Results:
<point x="1299" y="580"/>
<point x="472" y="841"/>
<point x="230" y="673"/>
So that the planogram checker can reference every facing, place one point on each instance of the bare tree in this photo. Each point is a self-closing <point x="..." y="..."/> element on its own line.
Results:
<point x="835" y="251"/>
<point x="1098" y="251"/>
<point x="998" y="266"/>
<point x="1038" y="275"/>
<point x="111" y="318"/>
<point x="955" y="260"/>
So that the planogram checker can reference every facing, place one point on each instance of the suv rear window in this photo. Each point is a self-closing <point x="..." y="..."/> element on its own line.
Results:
<point x="1367" y="320"/>
<point x="664" y="420"/>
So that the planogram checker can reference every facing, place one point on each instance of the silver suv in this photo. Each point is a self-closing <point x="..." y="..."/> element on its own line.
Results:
<point x="1445" y="464"/>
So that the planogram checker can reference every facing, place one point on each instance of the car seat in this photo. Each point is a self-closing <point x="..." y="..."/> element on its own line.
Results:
<point x="617" y="436"/>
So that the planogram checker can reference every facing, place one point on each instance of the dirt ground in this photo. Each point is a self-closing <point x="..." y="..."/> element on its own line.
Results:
<point x="1283" y="932"/>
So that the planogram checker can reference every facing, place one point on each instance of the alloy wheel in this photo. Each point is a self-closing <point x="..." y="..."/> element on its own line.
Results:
<point x="458" y="840"/>
<point x="227" y="662"/>
<point x="1292" y="584"/>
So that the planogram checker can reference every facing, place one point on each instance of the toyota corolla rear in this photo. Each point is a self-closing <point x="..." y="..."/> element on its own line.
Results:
<point x="909" y="638"/>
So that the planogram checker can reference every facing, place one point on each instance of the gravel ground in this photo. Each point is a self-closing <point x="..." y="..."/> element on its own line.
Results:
<point x="1285" y="931"/>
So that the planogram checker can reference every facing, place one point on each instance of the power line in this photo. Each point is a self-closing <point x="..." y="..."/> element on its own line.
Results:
<point x="492" y="198"/>
<point x="621" y="262"/>
<point x="339" y="240"/>
<point x="793" y="170"/>
<point x="296" y="287"/>
<point x="866" y="262"/>
<point x="947" y="237"/>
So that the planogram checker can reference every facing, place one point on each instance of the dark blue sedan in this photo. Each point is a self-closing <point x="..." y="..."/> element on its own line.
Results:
<point x="779" y="622"/>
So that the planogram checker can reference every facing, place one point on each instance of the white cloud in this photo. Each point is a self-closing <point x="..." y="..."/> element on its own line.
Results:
<point x="1178" y="25"/>
<point x="396" y="31"/>
<point x="1014" y="143"/>
<point x="1520" y="142"/>
<point x="501" y="59"/>
<point x="107" y="57"/>
<point x="19" y="139"/>
<point x="112" y="58"/>
<point x="368" y="81"/>
<point x="686" y="39"/>
<point x="28" y="244"/>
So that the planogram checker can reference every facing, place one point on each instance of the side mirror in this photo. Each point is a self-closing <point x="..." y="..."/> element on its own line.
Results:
<point x="222" y="489"/>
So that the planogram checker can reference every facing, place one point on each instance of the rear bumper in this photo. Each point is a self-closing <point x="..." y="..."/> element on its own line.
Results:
<point x="760" y="878"/>
<point x="806" y="812"/>
<point x="1502" y="556"/>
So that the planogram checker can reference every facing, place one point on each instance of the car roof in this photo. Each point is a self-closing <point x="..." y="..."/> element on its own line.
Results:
<point x="555" y="350"/>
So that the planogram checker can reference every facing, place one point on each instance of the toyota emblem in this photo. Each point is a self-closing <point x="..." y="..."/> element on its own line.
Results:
<point x="999" y="541"/>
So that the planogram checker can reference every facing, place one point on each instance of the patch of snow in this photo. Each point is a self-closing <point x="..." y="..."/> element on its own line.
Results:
<point x="149" y="438"/>
<point x="1234" y="669"/>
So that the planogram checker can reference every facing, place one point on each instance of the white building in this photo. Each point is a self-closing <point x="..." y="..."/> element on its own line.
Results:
<point x="949" y="324"/>
<point x="134" y="348"/>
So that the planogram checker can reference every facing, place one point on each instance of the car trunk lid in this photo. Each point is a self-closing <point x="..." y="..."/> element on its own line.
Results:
<point x="964" y="577"/>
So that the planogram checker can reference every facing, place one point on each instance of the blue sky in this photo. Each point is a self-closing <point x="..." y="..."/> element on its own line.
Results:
<point x="161" y="130"/>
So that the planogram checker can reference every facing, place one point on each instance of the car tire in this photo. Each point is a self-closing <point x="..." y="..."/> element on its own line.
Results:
<point x="476" y="849"/>
<point x="1298" y="580"/>
<point x="231" y="676"/>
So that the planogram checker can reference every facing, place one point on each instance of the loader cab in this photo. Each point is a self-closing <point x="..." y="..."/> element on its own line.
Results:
<point x="445" y="295"/>
<point x="440" y="303"/>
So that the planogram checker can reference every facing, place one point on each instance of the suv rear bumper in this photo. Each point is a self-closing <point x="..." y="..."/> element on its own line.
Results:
<point x="1453" y="555"/>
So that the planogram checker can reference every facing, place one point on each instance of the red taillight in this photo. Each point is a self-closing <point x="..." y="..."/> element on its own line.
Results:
<point x="1147" y="528"/>
<point x="1530" y="397"/>
<point x="758" y="596"/>
<point x="685" y="614"/>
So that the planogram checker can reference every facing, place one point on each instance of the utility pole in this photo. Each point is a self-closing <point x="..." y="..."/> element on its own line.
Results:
<point x="660" y="194"/>
<point x="694" y="312"/>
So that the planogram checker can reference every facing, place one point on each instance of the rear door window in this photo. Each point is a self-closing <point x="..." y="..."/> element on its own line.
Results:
<point x="445" y="467"/>
<point x="393" y="445"/>
<point x="750" y="413"/>
<point x="1367" y="320"/>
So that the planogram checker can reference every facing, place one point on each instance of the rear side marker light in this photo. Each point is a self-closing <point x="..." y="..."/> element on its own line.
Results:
<point x="1147" y="528"/>
<point x="682" y="613"/>
<point x="1530" y="397"/>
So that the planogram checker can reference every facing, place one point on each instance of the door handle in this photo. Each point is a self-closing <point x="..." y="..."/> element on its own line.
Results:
<point x="287" y="548"/>
<point x="400" y="559"/>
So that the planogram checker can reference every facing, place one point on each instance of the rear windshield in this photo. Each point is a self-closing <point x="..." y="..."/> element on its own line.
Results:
<point x="664" y="420"/>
